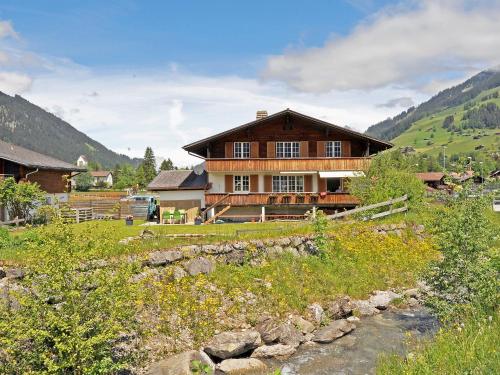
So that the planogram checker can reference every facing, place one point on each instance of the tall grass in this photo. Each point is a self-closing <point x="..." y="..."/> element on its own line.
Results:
<point x="470" y="348"/>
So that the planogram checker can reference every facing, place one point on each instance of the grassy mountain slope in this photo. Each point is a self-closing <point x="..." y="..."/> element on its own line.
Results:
<point x="428" y="134"/>
<point x="28" y="125"/>
<point x="453" y="97"/>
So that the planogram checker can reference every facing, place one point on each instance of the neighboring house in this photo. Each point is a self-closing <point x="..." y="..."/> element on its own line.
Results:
<point x="434" y="180"/>
<point x="466" y="176"/>
<point x="102" y="178"/>
<point x="182" y="189"/>
<point x="25" y="165"/>
<point x="278" y="165"/>
<point x="82" y="161"/>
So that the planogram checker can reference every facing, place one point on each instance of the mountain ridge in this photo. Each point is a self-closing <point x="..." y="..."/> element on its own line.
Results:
<point x="28" y="125"/>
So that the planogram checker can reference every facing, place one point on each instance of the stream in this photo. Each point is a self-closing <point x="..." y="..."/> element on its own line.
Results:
<point x="357" y="352"/>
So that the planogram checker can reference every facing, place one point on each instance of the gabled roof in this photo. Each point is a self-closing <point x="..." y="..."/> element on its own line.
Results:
<point x="100" y="173"/>
<point x="179" y="180"/>
<point x="32" y="159"/>
<point x="192" y="146"/>
<point x="430" y="176"/>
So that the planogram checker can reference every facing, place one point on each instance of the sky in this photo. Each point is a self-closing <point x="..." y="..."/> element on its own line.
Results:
<point x="132" y="74"/>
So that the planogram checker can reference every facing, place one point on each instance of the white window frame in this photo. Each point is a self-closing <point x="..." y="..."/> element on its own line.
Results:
<point x="241" y="150"/>
<point x="333" y="149"/>
<point x="241" y="183"/>
<point x="288" y="184"/>
<point x="287" y="150"/>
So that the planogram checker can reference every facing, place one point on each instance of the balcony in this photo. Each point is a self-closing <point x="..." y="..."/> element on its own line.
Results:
<point x="262" y="199"/>
<point x="289" y="165"/>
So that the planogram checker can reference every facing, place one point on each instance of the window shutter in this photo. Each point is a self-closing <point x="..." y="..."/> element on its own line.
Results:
<point x="228" y="183"/>
<point x="229" y="150"/>
<point x="321" y="184"/>
<point x="321" y="149"/>
<point x="254" y="150"/>
<point x="308" y="183"/>
<point x="254" y="183"/>
<point x="304" y="149"/>
<point x="271" y="149"/>
<point x="346" y="149"/>
<point x="268" y="184"/>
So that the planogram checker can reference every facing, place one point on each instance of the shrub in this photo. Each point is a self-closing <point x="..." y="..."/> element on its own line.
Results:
<point x="84" y="181"/>
<point x="20" y="199"/>
<point x="69" y="316"/>
<point x="390" y="175"/>
<point x="466" y="276"/>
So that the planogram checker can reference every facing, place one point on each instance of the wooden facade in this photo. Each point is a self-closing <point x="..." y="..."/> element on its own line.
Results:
<point x="290" y="165"/>
<point x="279" y="199"/>
<point x="50" y="181"/>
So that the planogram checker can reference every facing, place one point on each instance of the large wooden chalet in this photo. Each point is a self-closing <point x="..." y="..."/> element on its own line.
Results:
<point x="278" y="165"/>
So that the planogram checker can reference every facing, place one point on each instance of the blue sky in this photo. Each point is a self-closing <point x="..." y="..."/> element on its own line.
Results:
<point x="133" y="74"/>
<point x="204" y="36"/>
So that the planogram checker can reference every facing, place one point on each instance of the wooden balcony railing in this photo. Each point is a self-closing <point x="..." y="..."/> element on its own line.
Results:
<point x="277" y="165"/>
<point x="282" y="199"/>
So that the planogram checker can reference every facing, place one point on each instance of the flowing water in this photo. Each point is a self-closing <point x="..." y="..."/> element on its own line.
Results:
<point x="357" y="352"/>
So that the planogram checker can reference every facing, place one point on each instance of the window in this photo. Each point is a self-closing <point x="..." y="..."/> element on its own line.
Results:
<point x="287" y="149"/>
<point x="333" y="149"/>
<point x="241" y="150"/>
<point x="288" y="184"/>
<point x="241" y="183"/>
<point x="334" y="185"/>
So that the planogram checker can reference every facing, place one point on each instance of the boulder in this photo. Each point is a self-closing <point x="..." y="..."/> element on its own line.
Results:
<point x="164" y="257"/>
<point x="15" y="273"/>
<point x="340" y="308"/>
<point x="302" y="325"/>
<point x="272" y="331"/>
<point x="333" y="331"/>
<point x="242" y="366"/>
<point x="231" y="344"/>
<point x="240" y="245"/>
<point x="364" y="308"/>
<point x="285" y="241"/>
<point x="289" y="335"/>
<point x="278" y="351"/>
<point x="180" y="364"/>
<point x="199" y="265"/>
<point x="316" y="312"/>
<point x="235" y="257"/>
<point x="382" y="299"/>
<point x="269" y="330"/>
<point x="178" y="273"/>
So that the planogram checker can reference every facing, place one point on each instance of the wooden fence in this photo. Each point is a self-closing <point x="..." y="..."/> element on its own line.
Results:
<point x="390" y="203"/>
<point x="78" y="215"/>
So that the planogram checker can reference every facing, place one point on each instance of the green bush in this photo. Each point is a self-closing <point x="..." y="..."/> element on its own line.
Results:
<point x="69" y="316"/>
<point x="84" y="181"/>
<point x="20" y="199"/>
<point x="466" y="277"/>
<point x="391" y="175"/>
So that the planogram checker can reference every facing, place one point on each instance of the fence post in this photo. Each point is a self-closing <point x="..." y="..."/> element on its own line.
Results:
<point x="77" y="214"/>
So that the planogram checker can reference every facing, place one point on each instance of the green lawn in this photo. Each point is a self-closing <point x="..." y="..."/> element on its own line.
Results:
<point x="116" y="230"/>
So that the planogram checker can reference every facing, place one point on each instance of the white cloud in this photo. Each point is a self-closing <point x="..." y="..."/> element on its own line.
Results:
<point x="166" y="109"/>
<point x="6" y="30"/>
<point x="403" y="102"/>
<point x="14" y="83"/>
<point x="401" y="45"/>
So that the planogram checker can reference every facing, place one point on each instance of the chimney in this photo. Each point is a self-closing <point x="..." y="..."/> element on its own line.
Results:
<point x="261" y="114"/>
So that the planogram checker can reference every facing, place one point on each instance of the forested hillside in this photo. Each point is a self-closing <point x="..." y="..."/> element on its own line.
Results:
<point x="28" y="125"/>
<point x="452" y="97"/>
